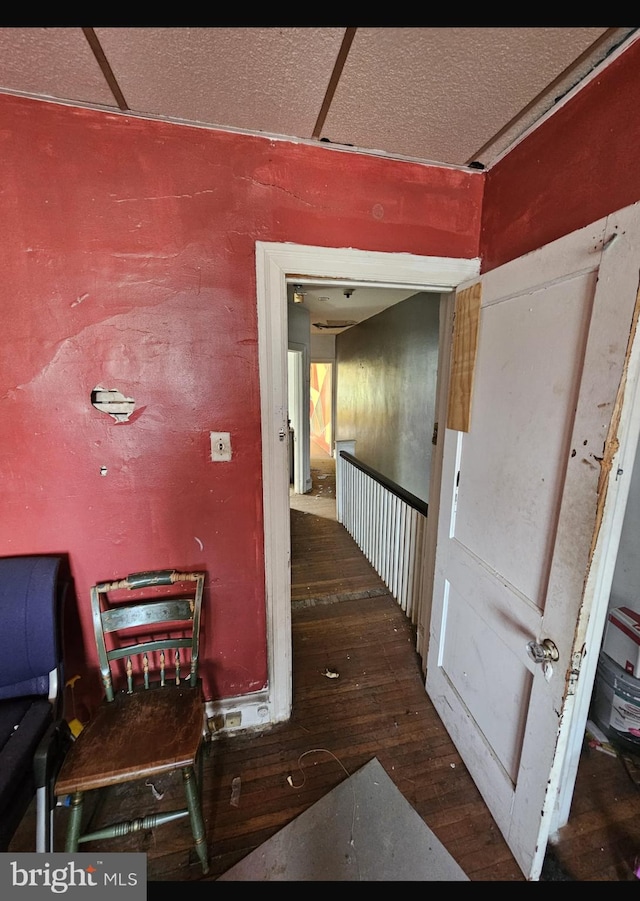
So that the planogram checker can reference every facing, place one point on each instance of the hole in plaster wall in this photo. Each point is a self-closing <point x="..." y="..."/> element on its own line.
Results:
<point x="113" y="402"/>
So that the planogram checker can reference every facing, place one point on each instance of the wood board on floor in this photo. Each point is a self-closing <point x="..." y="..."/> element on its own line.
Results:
<point x="362" y="830"/>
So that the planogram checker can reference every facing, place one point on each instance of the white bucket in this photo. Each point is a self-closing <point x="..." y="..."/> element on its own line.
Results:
<point x="616" y="702"/>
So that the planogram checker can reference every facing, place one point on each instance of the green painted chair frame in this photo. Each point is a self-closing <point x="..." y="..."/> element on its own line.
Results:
<point x="152" y="718"/>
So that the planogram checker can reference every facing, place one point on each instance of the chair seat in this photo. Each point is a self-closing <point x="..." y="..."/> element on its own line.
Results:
<point x="133" y="737"/>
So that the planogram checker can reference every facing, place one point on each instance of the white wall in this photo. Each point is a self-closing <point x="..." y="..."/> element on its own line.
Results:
<point x="323" y="348"/>
<point x="625" y="590"/>
<point x="299" y="336"/>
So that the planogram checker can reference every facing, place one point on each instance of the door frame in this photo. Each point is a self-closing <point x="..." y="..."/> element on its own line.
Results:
<point x="275" y="262"/>
<point x="607" y="552"/>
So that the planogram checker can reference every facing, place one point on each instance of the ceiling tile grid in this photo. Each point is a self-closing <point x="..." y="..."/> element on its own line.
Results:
<point x="52" y="62"/>
<point x="442" y="93"/>
<point x="265" y="79"/>
<point x="447" y="96"/>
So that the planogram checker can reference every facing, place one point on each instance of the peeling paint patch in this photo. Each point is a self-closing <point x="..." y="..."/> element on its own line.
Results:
<point x="145" y="256"/>
<point x="200" y="544"/>
<point x="574" y="671"/>
<point x="163" y="197"/>
<point x="272" y="184"/>
<point x="612" y="442"/>
<point x="113" y="402"/>
<point x="79" y="300"/>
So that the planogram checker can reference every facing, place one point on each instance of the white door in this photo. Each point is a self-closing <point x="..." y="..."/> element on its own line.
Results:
<point x="522" y="503"/>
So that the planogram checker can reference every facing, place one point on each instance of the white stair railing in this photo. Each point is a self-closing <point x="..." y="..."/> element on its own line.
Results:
<point x="388" y="524"/>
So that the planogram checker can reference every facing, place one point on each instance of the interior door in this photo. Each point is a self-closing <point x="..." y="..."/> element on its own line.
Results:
<point x="522" y="499"/>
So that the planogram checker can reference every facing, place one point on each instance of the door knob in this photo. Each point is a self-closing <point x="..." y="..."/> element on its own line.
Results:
<point x="543" y="651"/>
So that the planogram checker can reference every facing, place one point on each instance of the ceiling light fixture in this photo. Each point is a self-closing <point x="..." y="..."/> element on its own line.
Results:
<point x="335" y="324"/>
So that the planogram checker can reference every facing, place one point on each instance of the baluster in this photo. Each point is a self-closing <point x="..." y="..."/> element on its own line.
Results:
<point x="145" y="668"/>
<point x="129" y="676"/>
<point x="162" y="669"/>
<point x="177" y="666"/>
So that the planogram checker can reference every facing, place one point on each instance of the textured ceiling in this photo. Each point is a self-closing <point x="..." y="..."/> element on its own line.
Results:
<point x="450" y="96"/>
<point x="444" y="95"/>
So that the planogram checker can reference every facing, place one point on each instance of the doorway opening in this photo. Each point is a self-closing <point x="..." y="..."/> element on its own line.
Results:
<point x="276" y="264"/>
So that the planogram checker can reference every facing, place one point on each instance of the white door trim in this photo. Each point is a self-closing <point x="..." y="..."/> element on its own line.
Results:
<point x="274" y="262"/>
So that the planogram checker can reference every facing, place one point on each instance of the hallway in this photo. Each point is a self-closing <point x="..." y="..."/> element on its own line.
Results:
<point x="326" y="563"/>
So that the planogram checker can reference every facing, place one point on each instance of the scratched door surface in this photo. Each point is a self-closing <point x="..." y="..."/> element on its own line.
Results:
<point x="521" y="501"/>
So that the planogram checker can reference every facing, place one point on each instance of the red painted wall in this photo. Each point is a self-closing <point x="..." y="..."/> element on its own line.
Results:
<point x="127" y="260"/>
<point x="580" y="165"/>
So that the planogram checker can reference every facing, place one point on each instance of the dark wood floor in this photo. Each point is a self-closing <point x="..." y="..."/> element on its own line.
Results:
<point x="344" y="621"/>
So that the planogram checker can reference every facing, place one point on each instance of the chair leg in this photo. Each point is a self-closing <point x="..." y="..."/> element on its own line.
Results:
<point x="46" y="763"/>
<point x="200" y="774"/>
<point x="75" y="821"/>
<point x="44" y="821"/>
<point x="192" y="791"/>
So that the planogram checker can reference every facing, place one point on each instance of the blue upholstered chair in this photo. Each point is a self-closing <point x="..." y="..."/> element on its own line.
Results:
<point x="33" y="735"/>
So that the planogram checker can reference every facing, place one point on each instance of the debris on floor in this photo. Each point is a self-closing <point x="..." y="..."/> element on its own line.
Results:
<point x="235" y="792"/>
<point x="331" y="674"/>
<point x="598" y="741"/>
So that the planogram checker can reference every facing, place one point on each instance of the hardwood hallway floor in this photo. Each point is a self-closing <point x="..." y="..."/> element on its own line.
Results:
<point x="345" y="623"/>
<point x="601" y="841"/>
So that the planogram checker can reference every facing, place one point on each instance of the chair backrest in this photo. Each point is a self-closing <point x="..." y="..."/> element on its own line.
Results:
<point x="147" y="629"/>
<point x="31" y="599"/>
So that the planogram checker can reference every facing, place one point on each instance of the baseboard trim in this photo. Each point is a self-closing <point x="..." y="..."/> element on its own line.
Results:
<point x="231" y="715"/>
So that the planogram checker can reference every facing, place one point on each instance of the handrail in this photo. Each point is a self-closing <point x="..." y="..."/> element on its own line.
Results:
<point x="404" y="495"/>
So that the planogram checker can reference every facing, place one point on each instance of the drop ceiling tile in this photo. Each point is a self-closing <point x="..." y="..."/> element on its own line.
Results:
<point x="441" y="93"/>
<point x="52" y="62"/>
<point x="260" y="79"/>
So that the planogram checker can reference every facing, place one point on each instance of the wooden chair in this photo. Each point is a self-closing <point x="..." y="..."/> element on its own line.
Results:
<point x="151" y="721"/>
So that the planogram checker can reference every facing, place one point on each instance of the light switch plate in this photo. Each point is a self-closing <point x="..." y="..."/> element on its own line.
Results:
<point x="220" y="447"/>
